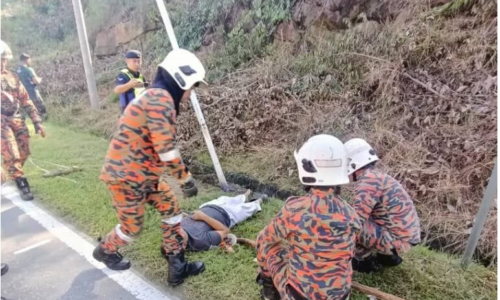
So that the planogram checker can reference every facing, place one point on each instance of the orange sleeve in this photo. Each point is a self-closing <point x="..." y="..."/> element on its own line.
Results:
<point x="160" y="114"/>
<point x="365" y="199"/>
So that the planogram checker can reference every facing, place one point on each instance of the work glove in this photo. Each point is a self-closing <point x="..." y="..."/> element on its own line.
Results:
<point x="189" y="188"/>
<point x="39" y="129"/>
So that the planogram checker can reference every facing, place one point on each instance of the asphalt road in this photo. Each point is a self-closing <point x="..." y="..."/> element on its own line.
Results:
<point x="49" y="260"/>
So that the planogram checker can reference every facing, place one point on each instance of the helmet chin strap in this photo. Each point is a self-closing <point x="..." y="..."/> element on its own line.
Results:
<point x="337" y="190"/>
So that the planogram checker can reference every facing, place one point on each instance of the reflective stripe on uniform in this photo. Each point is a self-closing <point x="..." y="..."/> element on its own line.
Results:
<point x="122" y="235"/>
<point x="139" y="90"/>
<point x="170" y="155"/>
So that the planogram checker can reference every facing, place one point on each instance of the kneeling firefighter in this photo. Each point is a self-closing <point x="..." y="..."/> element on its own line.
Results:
<point x="306" y="250"/>
<point x="389" y="219"/>
<point x="144" y="148"/>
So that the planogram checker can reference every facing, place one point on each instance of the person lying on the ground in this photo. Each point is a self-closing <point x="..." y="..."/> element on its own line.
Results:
<point x="306" y="250"/>
<point x="390" y="224"/>
<point x="208" y="227"/>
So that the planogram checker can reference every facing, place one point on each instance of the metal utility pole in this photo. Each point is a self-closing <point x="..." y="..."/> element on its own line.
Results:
<point x="87" y="61"/>
<point x="489" y="196"/>
<point x="194" y="101"/>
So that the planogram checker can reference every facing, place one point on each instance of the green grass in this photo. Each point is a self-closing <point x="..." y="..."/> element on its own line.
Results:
<point x="82" y="200"/>
<point x="263" y="166"/>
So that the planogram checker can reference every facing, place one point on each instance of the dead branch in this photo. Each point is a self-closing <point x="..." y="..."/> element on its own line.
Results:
<point x="373" y="291"/>
<point x="61" y="172"/>
<point x="425" y="86"/>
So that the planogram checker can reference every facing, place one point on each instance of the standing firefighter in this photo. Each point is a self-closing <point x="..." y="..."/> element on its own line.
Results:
<point x="130" y="83"/>
<point x="144" y="148"/>
<point x="306" y="250"/>
<point x="31" y="81"/>
<point x="390" y="224"/>
<point x="15" y="134"/>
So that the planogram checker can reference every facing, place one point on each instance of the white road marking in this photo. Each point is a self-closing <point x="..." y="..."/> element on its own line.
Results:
<point x="26" y="249"/>
<point x="128" y="280"/>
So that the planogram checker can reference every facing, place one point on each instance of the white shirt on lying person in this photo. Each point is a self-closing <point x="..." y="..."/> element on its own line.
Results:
<point x="236" y="207"/>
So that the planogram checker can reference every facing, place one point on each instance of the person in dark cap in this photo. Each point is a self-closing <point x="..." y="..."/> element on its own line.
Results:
<point x="30" y="81"/>
<point x="130" y="82"/>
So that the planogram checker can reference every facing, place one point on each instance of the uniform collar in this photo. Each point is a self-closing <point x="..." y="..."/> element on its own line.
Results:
<point x="366" y="173"/>
<point x="322" y="191"/>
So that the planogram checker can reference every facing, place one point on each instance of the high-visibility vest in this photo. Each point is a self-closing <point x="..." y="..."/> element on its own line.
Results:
<point x="139" y="90"/>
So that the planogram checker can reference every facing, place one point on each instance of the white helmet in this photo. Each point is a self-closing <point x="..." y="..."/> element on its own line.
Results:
<point x="360" y="153"/>
<point x="322" y="161"/>
<point x="184" y="67"/>
<point x="5" y="50"/>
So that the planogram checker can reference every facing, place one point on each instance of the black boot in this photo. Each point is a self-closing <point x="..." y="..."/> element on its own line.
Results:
<point x="24" y="188"/>
<point x="114" y="261"/>
<point x="5" y="269"/>
<point x="269" y="291"/>
<point x="179" y="268"/>
<point x="366" y="266"/>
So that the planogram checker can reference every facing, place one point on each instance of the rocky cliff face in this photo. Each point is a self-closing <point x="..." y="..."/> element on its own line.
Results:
<point x="327" y="14"/>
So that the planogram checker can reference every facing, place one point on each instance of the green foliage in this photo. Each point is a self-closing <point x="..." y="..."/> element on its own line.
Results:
<point x="467" y="6"/>
<point x="273" y="11"/>
<point x="456" y="6"/>
<point x="242" y="46"/>
<point x="191" y="21"/>
<point x="39" y="29"/>
<point x="244" y="26"/>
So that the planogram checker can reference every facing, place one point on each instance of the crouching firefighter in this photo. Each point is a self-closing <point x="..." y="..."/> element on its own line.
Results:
<point x="306" y="250"/>
<point x="143" y="148"/>
<point x="15" y="133"/>
<point x="390" y="224"/>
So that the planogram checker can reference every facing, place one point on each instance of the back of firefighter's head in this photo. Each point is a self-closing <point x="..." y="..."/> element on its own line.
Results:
<point x="322" y="162"/>
<point x="6" y="53"/>
<point x="185" y="69"/>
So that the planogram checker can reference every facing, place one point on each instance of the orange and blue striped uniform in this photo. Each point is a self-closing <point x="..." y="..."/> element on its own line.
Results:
<point x="309" y="245"/>
<point x="133" y="168"/>
<point x="387" y="213"/>
<point x="15" y="133"/>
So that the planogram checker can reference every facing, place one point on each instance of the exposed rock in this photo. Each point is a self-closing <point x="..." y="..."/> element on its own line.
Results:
<point x="108" y="41"/>
<point x="287" y="32"/>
